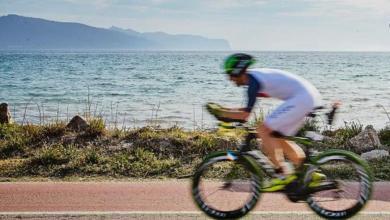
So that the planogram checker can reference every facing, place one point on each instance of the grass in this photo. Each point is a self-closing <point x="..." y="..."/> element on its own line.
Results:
<point x="96" y="128"/>
<point x="52" y="151"/>
<point x="45" y="151"/>
<point x="384" y="136"/>
<point x="309" y="125"/>
<point x="341" y="135"/>
<point x="12" y="148"/>
<point x="381" y="168"/>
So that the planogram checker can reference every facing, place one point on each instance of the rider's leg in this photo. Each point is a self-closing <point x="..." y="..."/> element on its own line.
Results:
<point x="276" y="148"/>
<point x="293" y="152"/>
<point x="290" y="149"/>
<point x="273" y="148"/>
<point x="286" y="119"/>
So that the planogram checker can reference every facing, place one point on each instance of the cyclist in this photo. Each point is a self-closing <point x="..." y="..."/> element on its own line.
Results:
<point x="300" y="98"/>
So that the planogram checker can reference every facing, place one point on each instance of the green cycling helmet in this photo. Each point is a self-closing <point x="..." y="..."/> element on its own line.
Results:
<point x="237" y="63"/>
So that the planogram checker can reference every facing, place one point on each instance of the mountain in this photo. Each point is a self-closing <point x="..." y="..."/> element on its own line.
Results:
<point x="179" y="41"/>
<point x="18" y="32"/>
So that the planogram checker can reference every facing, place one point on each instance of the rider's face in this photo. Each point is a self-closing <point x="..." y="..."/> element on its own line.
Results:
<point x="238" y="80"/>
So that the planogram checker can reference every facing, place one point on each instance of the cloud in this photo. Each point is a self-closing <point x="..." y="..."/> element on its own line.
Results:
<point x="266" y="24"/>
<point x="231" y="4"/>
<point x="377" y="6"/>
<point x="346" y="9"/>
<point x="98" y="4"/>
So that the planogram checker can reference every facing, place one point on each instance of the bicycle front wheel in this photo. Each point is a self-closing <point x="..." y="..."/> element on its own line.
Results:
<point x="347" y="185"/>
<point x="226" y="185"/>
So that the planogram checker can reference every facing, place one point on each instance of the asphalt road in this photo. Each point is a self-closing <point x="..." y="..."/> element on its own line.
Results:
<point x="138" y="197"/>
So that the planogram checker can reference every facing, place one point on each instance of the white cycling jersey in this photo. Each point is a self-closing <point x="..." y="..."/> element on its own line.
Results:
<point x="300" y="97"/>
<point x="282" y="84"/>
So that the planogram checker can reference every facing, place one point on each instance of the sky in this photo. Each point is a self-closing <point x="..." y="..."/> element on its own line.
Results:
<point x="296" y="25"/>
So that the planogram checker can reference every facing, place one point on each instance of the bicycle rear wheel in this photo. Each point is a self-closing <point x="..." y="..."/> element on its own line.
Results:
<point x="347" y="186"/>
<point x="226" y="186"/>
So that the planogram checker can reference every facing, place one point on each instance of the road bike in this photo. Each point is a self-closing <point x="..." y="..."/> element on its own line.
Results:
<point x="228" y="184"/>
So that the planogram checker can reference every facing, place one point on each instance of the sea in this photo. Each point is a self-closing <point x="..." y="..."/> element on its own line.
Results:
<point x="131" y="89"/>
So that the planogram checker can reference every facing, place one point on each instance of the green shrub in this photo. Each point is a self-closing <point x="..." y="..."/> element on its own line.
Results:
<point x="117" y="133"/>
<point x="23" y="133"/>
<point x="141" y="163"/>
<point x="176" y="143"/>
<point x="55" y="129"/>
<point x="8" y="131"/>
<point x="32" y="133"/>
<point x="53" y="155"/>
<point x="12" y="148"/>
<point x="54" y="161"/>
<point x="92" y="157"/>
<point x="381" y="168"/>
<point x="95" y="129"/>
<point x="309" y="125"/>
<point x="31" y="150"/>
<point x="12" y="168"/>
<point x="341" y="136"/>
<point x="384" y="136"/>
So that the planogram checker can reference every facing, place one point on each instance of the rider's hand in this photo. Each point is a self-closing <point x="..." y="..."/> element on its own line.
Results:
<point x="214" y="109"/>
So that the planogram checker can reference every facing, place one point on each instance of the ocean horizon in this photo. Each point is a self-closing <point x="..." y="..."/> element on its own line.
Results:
<point x="138" y="88"/>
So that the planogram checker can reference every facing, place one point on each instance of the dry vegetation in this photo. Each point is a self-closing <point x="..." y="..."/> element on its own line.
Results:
<point x="52" y="151"/>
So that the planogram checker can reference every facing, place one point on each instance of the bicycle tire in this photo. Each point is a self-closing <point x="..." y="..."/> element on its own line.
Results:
<point x="364" y="176"/>
<point x="248" y="163"/>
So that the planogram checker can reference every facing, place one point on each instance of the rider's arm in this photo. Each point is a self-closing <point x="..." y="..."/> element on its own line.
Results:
<point x="243" y="113"/>
<point x="235" y="114"/>
<point x="234" y="109"/>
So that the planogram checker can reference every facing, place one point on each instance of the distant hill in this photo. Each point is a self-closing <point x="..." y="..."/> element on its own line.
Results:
<point x="18" y="32"/>
<point x="179" y="41"/>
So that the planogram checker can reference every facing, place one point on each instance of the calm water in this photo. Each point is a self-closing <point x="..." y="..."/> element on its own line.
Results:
<point x="140" y="88"/>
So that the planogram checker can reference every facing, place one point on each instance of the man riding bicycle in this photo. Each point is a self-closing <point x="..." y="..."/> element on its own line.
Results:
<point x="300" y="98"/>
